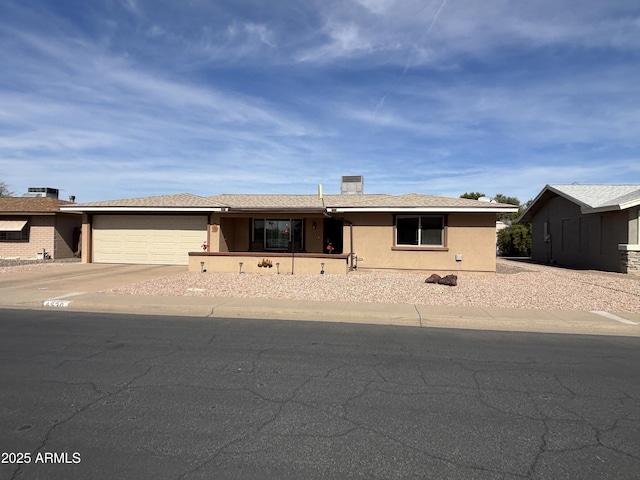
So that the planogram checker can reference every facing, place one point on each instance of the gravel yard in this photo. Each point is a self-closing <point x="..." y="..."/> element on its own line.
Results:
<point x="515" y="285"/>
<point x="22" y="265"/>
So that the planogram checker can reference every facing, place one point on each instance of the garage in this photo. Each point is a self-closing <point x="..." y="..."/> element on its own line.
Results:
<point x="147" y="239"/>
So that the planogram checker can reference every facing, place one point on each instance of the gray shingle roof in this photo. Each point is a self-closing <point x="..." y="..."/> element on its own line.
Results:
<point x="590" y="197"/>
<point x="599" y="195"/>
<point x="166" y="201"/>
<point x="412" y="200"/>
<point x="255" y="201"/>
<point x="292" y="202"/>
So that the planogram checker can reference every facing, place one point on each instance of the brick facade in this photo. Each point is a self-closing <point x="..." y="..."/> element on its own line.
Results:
<point x="631" y="262"/>
<point x="52" y="234"/>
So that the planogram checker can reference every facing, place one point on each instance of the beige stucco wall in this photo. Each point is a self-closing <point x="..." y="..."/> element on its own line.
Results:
<point x="288" y="264"/>
<point x="234" y="232"/>
<point x="471" y="235"/>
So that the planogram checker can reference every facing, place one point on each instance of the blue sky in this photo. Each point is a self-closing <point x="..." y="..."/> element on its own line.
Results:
<point x="108" y="99"/>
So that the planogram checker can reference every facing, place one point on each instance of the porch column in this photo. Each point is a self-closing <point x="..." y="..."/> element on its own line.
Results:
<point x="213" y="232"/>
<point x="85" y="244"/>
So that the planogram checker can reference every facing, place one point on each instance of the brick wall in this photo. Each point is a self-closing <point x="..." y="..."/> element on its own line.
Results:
<point x="41" y="235"/>
<point x="631" y="262"/>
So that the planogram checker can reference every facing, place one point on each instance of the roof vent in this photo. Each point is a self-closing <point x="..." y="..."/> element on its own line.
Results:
<point x="41" y="192"/>
<point x="352" y="184"/>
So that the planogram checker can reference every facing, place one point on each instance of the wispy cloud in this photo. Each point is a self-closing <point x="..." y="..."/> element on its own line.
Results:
<point x="133" y="97"/>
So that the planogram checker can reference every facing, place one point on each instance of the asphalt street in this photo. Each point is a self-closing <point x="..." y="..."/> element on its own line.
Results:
<point x="106" y="396"/>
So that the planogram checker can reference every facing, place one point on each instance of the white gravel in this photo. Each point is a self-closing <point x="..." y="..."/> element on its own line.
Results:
<point x="22" y="265"/>
<point x="514" y="285"/>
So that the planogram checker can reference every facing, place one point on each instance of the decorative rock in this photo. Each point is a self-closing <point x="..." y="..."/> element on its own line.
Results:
<point x="451" y="280"/>
<point x="434" y="278"/>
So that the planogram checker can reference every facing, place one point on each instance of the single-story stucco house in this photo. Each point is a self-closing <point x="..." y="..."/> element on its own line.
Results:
<point x="37" y="228"/>
<point x="294" y="233"/>
<point x="586" y="226"/>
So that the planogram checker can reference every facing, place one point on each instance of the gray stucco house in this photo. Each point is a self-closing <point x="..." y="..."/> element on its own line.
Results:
<point x="587" y="226"/>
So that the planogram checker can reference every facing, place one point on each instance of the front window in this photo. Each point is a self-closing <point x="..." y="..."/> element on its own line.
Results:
<point x="14" y="230"/>
<point x="278" y="234"/>
<point x="423" y="230"/>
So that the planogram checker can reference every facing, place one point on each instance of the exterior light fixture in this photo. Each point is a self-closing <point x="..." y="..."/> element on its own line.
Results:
<point x="201" y="267"/>
<point x="240" y="263"/>
<point x="321" y="268"/>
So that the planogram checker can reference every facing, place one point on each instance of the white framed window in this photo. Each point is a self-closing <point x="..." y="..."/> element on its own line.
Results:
<point x="12" y="230"/>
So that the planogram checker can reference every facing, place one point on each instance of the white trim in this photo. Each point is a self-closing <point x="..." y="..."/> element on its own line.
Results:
<point x="416" y="210"/>
<point x="629" y="248"/>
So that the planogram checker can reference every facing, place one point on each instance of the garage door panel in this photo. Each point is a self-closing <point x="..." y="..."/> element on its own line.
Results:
<point x="147" y="239"/>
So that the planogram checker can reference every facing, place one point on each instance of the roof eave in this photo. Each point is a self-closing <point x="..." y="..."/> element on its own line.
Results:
<point x="89" y="209"/>
<point x="275" y="210"/>
<point x="422" y="209"/>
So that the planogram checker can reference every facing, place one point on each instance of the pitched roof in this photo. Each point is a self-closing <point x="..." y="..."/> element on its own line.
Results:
<point x="31" y="205"/>
<point x="591" y="198"/>
<point x="265" y="202"/>
<point x="181" y="201"/>
<point x="270" y="202"/>
<point x="599" y="196"/>
<point x="346" y="202"/>
<point x="410" y="200"/>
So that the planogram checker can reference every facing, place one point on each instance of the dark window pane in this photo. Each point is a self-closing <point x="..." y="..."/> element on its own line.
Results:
<point x="296" y="235"/>
<point x="258" y="230"/>
<point x="431" y="230"/>
<point x="407" y="230"/>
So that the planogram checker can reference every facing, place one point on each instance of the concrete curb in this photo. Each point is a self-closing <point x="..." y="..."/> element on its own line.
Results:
<point x="497" y="319"/>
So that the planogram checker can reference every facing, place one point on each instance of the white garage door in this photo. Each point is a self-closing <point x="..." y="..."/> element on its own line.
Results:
<point x="147" y="239"/>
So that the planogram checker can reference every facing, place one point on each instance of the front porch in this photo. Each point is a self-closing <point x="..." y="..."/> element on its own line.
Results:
<point x="269" y="263"/>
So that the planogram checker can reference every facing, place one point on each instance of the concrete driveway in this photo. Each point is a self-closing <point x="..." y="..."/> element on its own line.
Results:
<point x="75" y="278"/>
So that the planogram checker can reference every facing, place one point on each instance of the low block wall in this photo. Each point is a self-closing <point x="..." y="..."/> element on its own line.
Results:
<point x="283" y="263"/>
<point x="630" y="261"/>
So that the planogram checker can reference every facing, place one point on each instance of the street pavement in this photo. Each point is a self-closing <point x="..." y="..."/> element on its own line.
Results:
<point x="89" y="395"/>
<point x="76" y="287"/>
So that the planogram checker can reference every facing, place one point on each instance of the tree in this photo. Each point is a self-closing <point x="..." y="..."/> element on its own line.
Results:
<point x="500" y="198"/>
<point x="4" y="190"/>
<point x="515" y="240"/>
<point x="472" y="195"/>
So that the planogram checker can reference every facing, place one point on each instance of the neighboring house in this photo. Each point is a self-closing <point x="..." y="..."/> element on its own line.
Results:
<point x="36" y="228"/>
<point x="294" y="233"/>
<point x="587" y="226"/>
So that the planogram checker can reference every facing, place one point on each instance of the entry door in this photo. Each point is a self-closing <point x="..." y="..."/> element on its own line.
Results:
<point x="333" y="234"/>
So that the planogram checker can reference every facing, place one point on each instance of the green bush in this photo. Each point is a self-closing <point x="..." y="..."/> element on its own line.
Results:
<point x="515" y="240"/>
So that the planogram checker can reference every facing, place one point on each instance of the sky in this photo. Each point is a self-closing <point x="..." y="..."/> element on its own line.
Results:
<point x="109" y="99"/>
